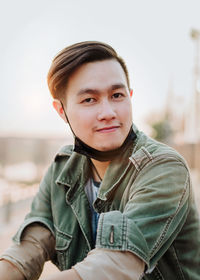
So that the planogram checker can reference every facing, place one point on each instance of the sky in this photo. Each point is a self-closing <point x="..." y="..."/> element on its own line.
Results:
<point x="153" y="37"/>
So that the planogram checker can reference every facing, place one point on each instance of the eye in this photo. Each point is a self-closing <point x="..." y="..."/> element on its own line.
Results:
<point x="117" y="95"/>
<point x="88" y="100"/>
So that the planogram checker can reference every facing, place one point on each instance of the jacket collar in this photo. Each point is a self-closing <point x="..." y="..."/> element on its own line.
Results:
<point x="71" y="169"/>
<point x="115" y="173"/>
<point x="76" y="167"/>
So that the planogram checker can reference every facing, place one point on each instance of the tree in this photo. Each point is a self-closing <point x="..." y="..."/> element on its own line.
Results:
<point x="162" y="130"/>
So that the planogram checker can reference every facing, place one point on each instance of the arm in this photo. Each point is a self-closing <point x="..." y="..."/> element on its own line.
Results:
<point x="115" y="263"/>
<point x="34" y="241"/>
<point x="109" y="265"/>
<point x="153" y="213"/>
<point x="69" y="274"/>
<point x="26" y="260"/>
<point x="8" y="271"/>
<point x="104" y="264"/>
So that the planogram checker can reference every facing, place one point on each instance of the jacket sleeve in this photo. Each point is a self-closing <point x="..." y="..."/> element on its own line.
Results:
<point x="154" y="214"/>
<point x="36" y="247"/>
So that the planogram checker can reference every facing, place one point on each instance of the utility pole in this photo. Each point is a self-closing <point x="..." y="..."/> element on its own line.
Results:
<point x="195" y="35"/>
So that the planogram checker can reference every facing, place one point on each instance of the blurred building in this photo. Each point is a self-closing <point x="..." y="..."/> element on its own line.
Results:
<point x="24" y="159"/>
<point x="181" y="119"/>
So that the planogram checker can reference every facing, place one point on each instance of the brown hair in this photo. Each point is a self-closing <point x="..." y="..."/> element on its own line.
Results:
<point x="72" y="57"/>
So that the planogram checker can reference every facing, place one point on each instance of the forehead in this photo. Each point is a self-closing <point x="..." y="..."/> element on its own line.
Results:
<point x="96" y="75"/>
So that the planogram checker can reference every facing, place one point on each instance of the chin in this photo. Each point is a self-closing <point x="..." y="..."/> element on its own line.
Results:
<point x="108" y="148"/>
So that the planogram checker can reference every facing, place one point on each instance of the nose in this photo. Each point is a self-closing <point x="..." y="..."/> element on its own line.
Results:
<point x="106" y="111"/>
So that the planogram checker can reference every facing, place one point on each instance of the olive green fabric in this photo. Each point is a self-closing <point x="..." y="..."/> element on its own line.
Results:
<point x="145" y="202"/>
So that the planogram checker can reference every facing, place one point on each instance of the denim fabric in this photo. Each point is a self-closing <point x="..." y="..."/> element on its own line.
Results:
<point x="145" y="203"/>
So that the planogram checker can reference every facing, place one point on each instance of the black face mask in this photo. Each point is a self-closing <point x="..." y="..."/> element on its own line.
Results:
<point x="82" y="148"/>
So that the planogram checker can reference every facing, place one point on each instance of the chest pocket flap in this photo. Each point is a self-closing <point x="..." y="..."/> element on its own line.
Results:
<point x="63" y="241"/>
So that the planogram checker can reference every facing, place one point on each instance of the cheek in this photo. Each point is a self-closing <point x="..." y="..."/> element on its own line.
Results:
<point x="126" y="111"/>
<point x="81" y="119"/>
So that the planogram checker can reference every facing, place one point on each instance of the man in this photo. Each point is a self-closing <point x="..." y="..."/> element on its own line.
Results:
<point x="116" y="205"/>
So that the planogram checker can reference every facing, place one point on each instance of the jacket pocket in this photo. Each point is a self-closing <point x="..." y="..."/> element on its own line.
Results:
<point x="63" y="241"/>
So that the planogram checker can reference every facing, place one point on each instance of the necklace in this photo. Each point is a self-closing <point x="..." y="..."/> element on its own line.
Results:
<point x="95" y="169"/>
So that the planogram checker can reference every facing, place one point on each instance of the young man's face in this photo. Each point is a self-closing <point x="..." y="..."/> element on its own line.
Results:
<point x="98" y="104"/>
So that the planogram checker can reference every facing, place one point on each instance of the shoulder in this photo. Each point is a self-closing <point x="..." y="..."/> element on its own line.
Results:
<point x="67" y="160"/>
<point x="159" y="168"/>
<point x="61" y="159"/>
<point x="65" y="152"/>
<point x="148" y="150"/>
<point x="66" y="166"/>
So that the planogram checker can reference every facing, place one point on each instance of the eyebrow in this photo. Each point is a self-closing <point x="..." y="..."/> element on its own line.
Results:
<point x="96" y="91"/>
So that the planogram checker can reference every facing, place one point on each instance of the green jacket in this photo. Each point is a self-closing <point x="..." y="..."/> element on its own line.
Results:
<point x="145" y="202"/>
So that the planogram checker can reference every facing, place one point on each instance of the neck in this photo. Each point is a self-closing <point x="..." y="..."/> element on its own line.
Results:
<point x="101" y="167"/>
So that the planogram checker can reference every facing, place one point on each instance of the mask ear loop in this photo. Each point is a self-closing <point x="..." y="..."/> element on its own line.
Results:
<point x="67" y="118"/>
<point x="94" y="167"/>
<point x="82" y="148"/>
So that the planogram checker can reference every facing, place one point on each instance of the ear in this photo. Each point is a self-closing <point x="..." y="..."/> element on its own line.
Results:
<point x="131" y="92"/>
<point x="58" y="107"/>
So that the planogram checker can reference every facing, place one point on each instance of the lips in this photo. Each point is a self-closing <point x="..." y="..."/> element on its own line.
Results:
<point x="108" y="128"/>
